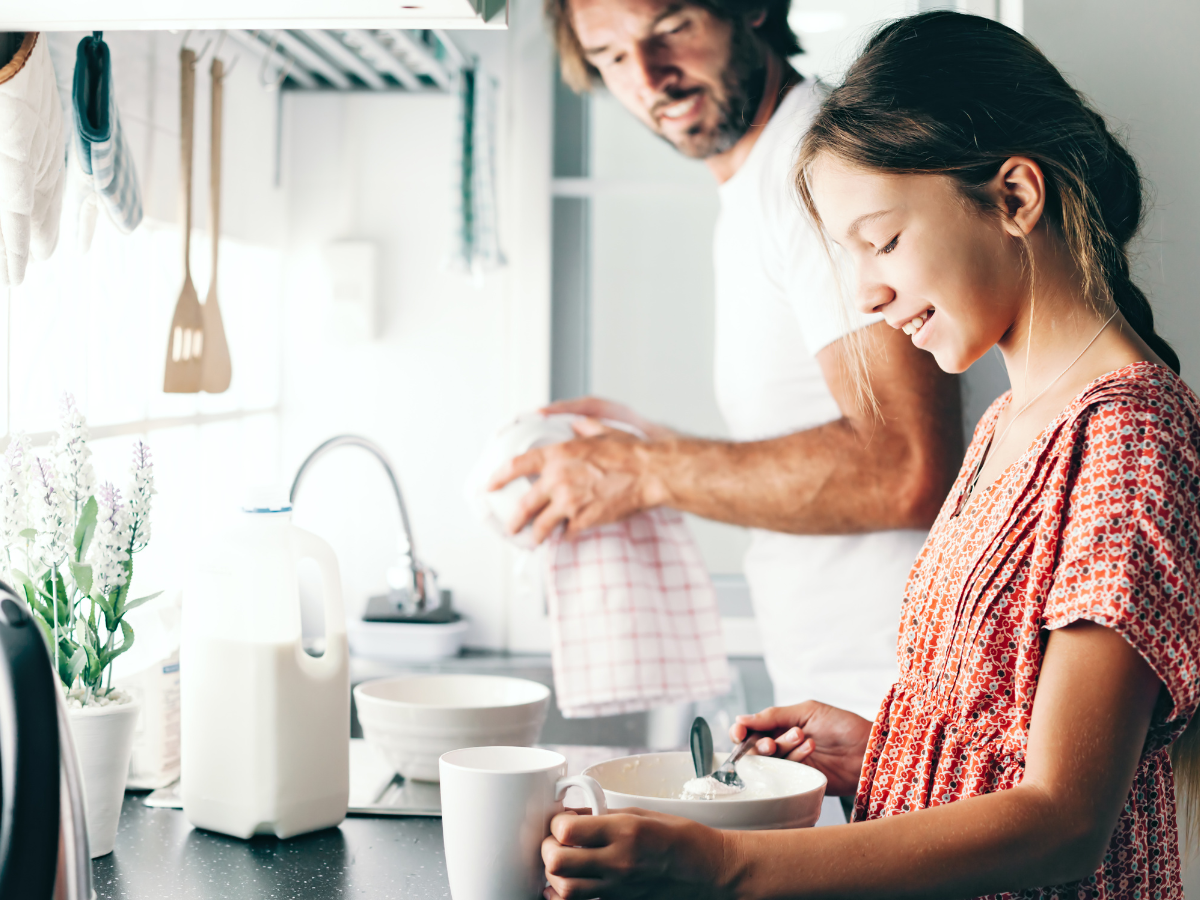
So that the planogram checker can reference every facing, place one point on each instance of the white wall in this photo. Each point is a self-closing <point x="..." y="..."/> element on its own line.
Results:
<point x="1138" y="63"/>
<point x="440" y="376"/>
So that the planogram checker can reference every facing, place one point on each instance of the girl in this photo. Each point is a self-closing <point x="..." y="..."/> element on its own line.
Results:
<point x="1050" y="641"/>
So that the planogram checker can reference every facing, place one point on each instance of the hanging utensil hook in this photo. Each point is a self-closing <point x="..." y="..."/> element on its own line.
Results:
<point x="202" y="51"/>
<point x="275" y="82"/>
<point x="217" y="52"/>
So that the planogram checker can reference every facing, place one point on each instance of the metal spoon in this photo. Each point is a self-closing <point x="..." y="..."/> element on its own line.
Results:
<point x="727" y="773"/>
<point x="702" y="747"/>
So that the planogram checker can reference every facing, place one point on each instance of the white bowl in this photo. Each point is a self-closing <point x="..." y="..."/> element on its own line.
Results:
<point x="653" y="781"/>
<point x="414" y="719"/>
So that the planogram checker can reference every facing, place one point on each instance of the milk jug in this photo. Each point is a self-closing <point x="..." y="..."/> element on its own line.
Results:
<point x="265" y="727"/>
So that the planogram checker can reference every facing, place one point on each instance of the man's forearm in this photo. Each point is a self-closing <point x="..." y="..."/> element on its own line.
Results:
<point x="826" y="480"/>
<point x="875" y="470"/>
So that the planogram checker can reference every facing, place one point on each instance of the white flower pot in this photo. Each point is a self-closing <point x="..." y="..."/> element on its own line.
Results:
<point x="103" y="742"/>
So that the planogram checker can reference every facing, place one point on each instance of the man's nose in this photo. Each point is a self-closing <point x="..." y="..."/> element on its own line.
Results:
<point x="652" y="71"/>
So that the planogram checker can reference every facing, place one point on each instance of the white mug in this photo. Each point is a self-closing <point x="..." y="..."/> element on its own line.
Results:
<point x="497" y="803"/>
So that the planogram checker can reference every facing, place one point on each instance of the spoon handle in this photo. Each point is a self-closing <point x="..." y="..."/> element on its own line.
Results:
<point x="740" y="750"/>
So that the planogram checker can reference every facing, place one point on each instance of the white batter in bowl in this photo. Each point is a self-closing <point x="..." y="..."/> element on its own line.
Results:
<point x="779" y="793"/>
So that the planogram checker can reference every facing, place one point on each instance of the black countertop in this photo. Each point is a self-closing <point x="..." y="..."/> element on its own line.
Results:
<point x="158" y="855"/>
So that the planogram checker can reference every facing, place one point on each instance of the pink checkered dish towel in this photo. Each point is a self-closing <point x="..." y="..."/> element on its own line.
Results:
<point x="634" y="623"/>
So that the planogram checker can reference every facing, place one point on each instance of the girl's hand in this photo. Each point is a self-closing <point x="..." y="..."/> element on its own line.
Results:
<point x="833" y="741"/>
<point x="633" y="854"/>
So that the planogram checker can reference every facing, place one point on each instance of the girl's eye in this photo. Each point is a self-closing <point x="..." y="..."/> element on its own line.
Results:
<point x="890" y="245"/>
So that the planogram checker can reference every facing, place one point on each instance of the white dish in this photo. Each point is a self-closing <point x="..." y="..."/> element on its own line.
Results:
<point x="653" y="781"/>
<point x="412" y="720"/>
<point x="519" y="436"/>
<point x="406" y="641"/>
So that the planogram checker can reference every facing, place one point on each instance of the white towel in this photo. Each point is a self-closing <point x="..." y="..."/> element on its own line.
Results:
<point x="31" y="160"/>
<point x="634" y="623"/>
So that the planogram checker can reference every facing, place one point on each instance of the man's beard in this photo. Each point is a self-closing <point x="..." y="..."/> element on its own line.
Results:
<point x="743" y="82"/>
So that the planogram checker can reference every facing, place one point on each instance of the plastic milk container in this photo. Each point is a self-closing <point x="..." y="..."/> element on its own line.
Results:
<point x="265" y="727"/>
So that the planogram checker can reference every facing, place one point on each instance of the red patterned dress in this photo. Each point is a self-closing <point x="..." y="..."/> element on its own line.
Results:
<point x="1098" y="520"/>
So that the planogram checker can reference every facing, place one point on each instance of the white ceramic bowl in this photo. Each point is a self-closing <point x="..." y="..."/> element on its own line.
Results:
<point x="652" y="781"/>
<point x="414" y="719"/>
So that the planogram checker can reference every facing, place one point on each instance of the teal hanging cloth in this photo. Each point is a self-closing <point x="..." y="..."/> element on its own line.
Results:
<point x="104" y="172"/>
<point x="475" y="248"/>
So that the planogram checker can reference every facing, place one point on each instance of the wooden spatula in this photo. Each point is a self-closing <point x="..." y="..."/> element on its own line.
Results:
<point x="185" y="344"/>
<point x="216" y="370"/>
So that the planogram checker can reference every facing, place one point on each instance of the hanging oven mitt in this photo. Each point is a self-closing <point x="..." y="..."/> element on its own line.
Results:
<point x="31" y="159"/>
<point x="99" y="150"/>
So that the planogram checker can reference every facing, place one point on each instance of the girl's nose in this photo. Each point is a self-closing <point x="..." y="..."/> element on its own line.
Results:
<point x="872" y="297"/>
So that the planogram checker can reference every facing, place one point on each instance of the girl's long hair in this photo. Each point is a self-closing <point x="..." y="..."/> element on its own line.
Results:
<point x="954" y="94"/>
<point x="957" y="95"/>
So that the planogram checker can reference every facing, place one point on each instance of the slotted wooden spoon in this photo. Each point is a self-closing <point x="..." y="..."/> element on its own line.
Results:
<point x="185" y="343"/>
<point x="216" y="369"/>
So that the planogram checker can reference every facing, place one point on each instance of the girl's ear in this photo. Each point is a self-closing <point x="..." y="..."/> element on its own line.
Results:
<point x="758" y="18"/>
<point x="1019" y="189"/>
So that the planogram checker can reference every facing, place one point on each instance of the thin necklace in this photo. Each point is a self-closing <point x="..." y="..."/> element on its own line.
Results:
<point x="993" y="446"/>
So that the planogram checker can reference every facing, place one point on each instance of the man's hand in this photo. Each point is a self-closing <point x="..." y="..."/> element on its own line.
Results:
<point x="600" y="477"/>
<point x="599" y="408"/>
<point x="632" y="854"/>
<point x="833" y="741"/>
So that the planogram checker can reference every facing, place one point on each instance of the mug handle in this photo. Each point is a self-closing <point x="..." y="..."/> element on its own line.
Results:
<point x="590" y="786"/>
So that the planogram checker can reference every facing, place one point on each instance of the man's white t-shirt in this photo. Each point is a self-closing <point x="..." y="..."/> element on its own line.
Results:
<point x="827" y="606"/>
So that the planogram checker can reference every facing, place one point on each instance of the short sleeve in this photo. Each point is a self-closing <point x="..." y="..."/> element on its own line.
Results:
<point x="1129" y="541"/>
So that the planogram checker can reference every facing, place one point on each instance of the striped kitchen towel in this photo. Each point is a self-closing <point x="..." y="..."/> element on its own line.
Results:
<point x="100" y="151"/>
<point x="634" y="623"/>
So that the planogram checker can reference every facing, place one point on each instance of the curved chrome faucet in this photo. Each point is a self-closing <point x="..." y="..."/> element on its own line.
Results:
<point x="354" y="440"/>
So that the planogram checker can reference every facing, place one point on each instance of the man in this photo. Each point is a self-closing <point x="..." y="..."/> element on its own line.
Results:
<point x="838" y="489"/>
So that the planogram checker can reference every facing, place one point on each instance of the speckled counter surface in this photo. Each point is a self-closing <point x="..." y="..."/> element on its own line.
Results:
<point x="159" y="855"/>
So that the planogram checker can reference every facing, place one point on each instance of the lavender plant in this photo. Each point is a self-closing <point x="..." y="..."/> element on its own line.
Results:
<point x="76" y="544"/>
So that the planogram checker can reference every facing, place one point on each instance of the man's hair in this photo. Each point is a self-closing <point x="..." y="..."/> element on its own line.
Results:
<point x="580" y="75"/>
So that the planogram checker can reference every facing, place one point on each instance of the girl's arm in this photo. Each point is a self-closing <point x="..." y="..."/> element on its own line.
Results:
<point x="1094" y="701"/>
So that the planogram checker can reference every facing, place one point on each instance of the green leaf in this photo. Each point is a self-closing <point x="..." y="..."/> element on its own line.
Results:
<point x="90" y="638"/>
<point x="93" y="670"/>
<point x="28" y="534"/>
<point x="63" y="607"/>
<point x="107" y="656"/>
<point x="82" y="574"/>
<point x="134" y="604"/>
<point x="105" y="606"/>
<point x="31" y="597"/>
<point x="76" y="665"/>
<point x="85" y="529"/>
<point x="68" y="650"/>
